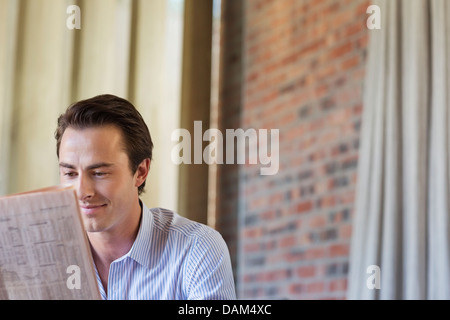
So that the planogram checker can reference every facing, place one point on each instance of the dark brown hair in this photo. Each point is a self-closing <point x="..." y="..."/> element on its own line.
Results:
<point x="108" y="109"/>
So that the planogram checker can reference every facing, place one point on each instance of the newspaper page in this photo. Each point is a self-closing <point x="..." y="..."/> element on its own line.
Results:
<point x="44" y="250"/>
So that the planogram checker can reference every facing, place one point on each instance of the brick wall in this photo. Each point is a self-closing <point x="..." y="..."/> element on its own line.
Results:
<point x="297" y="66"/>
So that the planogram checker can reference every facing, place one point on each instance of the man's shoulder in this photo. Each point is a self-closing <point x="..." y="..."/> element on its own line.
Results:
<point x="168" y="221"/>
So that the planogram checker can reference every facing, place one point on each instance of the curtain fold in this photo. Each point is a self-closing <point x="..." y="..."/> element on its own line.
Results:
<point x="401" y="221"/>
<point x="439" y="169"/>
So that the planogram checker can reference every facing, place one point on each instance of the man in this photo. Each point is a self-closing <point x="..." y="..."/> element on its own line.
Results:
<point x="105" y="150"/>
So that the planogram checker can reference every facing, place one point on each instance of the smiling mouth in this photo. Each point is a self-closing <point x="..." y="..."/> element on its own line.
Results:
<point x="91" y="209"/>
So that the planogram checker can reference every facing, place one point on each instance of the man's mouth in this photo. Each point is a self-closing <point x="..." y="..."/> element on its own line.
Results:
<point x="91" y="208"/>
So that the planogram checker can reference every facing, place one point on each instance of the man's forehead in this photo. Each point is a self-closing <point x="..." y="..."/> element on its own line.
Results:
<point x="99" y="144"/>
<point x="99" y="134"/>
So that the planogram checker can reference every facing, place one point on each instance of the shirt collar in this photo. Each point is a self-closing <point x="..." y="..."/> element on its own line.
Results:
<point x="140" y="249"/>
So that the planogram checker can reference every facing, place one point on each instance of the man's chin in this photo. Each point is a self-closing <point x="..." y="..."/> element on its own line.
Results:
<point x="92" y="225"/>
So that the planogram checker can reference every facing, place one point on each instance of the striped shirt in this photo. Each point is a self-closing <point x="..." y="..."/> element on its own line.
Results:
<point x="172" y="258"/>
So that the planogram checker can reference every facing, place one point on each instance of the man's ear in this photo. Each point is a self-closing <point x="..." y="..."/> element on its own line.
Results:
<point x="142" y="172"/>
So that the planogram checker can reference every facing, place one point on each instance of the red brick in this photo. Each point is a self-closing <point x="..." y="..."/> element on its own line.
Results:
<point x="318" y="221"/>
<point x="361" y="9"/>
<point x="313" y="47"/>
<point x="351" y="63"/>
<point x="253" y="232"/>
<point x="288" y="241"/>
<point x="268" y="215"/>
<point x="315" y="253"/>
<point x="315" y="287"/>
<point x="354" y="28"/>
<point x="327" y="201"/>
<point x="340" y="50"/>
<point x="338" y="285"/>
<point x="276" y="275"/>
<point x="345" y="231"/>
<point x="304" y="206"/>
<point x="357" y="109"/>
<point x="306" y="271"/>
<point x="337" y="250"/>
<point x="252" y="247"/>
<point x="363" y="41"/>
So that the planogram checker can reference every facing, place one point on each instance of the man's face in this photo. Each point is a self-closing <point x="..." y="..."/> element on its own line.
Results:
<point x="94" y="161"/>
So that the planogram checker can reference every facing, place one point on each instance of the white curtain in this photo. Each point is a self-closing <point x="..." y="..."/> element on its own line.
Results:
<point x="401" y="222"/>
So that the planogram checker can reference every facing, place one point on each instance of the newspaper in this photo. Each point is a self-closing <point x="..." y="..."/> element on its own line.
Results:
<point x="44" y="250"/>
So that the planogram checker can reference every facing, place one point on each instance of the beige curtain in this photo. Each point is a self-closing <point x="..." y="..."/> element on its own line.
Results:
<point x="401" y="223"/>
<point x="132" y="48"/>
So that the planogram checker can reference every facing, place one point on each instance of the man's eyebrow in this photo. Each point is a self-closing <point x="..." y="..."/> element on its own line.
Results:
<point x="99" y="165"/>
<point x="91" y="167"/>
<point x="66" y="165"/>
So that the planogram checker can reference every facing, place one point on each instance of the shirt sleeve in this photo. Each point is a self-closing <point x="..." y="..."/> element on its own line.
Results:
<point x="209" y="272"/>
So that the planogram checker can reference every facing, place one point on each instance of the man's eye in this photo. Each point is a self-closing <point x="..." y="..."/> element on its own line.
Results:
<point x="70" y="174"/>
<point x="99" y="174"/>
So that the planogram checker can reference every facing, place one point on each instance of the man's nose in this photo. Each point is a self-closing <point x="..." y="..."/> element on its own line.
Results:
<point x="85" y="188"/>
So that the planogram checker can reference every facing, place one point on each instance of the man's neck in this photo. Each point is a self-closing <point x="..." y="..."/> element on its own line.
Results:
<point x="112" y="244"/>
